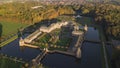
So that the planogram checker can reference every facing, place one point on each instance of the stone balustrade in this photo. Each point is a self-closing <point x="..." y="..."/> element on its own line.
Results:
<point x="12" y="58"/>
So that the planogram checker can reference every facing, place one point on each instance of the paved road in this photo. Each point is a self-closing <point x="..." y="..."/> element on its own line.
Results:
<point x="104" y="47"/>
<point x="105" y="55"/>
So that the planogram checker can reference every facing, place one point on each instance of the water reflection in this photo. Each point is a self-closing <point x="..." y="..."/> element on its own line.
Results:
<point x="60" y="61"/>
<point x="14" y="50"/>
<point x="92" y="34"/>
<point x="90" y="58"/>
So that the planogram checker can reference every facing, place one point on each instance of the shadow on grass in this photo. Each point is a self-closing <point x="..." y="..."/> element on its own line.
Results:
<point x="0" y="30"/>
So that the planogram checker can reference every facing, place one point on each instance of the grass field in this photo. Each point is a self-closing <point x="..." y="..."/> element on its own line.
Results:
<point x="10" y="27"/>
<point x="7" y="63"/>
<point x="7" y="41"/>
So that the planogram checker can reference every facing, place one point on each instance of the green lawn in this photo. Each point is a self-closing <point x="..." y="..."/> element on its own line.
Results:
<point x="63" y="42"/>
<point x="45" y="38"/>
<point x="7" y="63"/>
<point x="84" y="20"/>
<point x="10" y="27"/>
<point x="56" y="32"/>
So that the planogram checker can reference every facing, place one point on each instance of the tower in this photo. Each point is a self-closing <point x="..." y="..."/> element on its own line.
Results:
<point x="86" y="27"/>
<point x="21" y="42"/>
<point x="78" y="53"/>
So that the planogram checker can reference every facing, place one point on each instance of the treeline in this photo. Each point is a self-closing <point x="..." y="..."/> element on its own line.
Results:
<point x="31" y="12"/>
<point x="108" y="15"/>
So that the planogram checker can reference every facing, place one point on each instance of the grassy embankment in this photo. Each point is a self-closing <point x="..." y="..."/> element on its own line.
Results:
<point x="8" y="31"/>
<point x="7" y="63"/>
<point x="103" y="45"/>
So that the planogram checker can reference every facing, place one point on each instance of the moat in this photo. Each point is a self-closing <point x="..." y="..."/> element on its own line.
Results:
<point x="90" y="51"/>
<point x="90" y="54"/>
<point x="88" y="59"/>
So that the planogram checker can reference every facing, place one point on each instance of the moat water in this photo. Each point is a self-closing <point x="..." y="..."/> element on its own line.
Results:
<point x="13" y="49"/>
<point x="91" y="54"/>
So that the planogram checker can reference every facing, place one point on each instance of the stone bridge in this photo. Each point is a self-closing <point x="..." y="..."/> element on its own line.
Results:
<point x="97" y="41"/>
<point x="35" y="62"/>
<point x="92" y="41"/>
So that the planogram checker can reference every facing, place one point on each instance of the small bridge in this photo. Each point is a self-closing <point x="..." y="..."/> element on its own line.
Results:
<point x="63" y="52"/>
<point x="97" y="41"/>
<point x="37" y="60"/>
<point x="80" y="41"/>
<point x="93" y="41"/>
<point x="40" y="56"/>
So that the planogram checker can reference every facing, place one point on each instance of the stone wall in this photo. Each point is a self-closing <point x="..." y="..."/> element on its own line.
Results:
<point x="52" y="27"/>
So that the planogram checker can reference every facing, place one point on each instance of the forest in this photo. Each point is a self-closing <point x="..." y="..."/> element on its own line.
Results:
<point x="108" y="15"/>
<point x="33" y="12"/>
